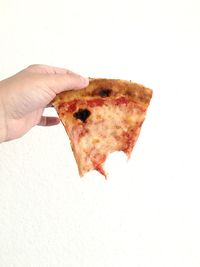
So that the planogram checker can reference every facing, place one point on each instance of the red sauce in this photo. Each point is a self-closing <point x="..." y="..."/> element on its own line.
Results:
<point x="72" y="105"/>
<point x="95" y="102"/>
<point x="61" y="105"/>
<point x="128" y="140"/>
<point x="121" y="100"/>
<point x="97" y="163"/>
<point x="69" y="106"/>
<point x="125" y="101"/>
<point x="100" y="170"/>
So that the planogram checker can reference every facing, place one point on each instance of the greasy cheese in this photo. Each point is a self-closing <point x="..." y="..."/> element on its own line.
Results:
<point x="106" y="130"/>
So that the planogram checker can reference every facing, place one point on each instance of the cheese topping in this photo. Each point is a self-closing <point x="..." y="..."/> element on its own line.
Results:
<point x="106" y="130"/>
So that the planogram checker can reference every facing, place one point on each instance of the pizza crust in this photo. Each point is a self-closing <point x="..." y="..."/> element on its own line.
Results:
<point x="137" y="92"/>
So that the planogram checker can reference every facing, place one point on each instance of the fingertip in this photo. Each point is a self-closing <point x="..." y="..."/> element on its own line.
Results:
<point x="76" y="82"/>
<point x="67" y="81"/>
<point x="55" y="121"/>
<point x="84" y="81"/>
<point x="48" y="121"/>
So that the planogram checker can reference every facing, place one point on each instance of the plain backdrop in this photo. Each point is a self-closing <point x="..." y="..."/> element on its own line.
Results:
<point x="148" y="211"/>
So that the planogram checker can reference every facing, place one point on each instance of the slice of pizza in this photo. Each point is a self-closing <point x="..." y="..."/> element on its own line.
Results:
<point x="104" y="117"/>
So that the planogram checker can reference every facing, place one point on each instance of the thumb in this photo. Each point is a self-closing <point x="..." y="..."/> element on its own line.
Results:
<point x="58" y="79"/>
<point x="59" y="82"/>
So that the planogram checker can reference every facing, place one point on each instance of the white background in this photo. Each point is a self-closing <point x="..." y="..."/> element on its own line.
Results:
<point x="148" y="211"/>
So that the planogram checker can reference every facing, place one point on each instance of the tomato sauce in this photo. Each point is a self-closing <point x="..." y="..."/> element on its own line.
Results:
<point x="95" y="102"/>
<point x="98" y="167"/>
<point x="121" y="101"/>
<point x="129" y="140"/>
<point x="69" y="106"/>
<point x="72" y="105"/>
<point x="97" y="163"/>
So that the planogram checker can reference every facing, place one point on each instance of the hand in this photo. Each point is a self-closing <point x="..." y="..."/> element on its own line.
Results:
<point x="24" y="96"/>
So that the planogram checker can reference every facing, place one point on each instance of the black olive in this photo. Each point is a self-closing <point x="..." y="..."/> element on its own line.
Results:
<point x="82" y="114"/>
<point x="105" y="92"/>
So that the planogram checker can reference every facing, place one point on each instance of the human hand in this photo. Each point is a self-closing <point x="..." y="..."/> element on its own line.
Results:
<point x="24" y="96"/>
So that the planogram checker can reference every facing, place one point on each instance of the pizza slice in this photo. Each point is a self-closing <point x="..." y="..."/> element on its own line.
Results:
<point x="104" y="117"/>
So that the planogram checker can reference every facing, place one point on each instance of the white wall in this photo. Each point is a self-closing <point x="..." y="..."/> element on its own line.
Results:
<point x="148" y="212"/>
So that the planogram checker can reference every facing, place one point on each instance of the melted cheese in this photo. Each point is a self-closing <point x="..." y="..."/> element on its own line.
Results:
<point x="108" y="129"/>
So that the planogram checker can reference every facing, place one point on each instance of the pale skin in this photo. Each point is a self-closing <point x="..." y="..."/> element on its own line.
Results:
<point x="24" y="96"/>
